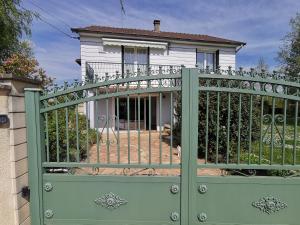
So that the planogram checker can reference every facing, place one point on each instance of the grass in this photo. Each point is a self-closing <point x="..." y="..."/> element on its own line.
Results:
<point x="287" y="153"/>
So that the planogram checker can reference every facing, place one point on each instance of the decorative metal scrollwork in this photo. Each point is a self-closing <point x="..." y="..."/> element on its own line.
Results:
<point x="269" y="204"/>
<point x="110" y="201"/>
<point x="277" y="136"/>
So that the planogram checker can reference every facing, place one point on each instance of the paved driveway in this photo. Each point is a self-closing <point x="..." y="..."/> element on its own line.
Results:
<point x="133" y="154"/>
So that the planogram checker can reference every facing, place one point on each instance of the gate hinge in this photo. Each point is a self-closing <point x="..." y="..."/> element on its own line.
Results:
<point x="26" y="192"/>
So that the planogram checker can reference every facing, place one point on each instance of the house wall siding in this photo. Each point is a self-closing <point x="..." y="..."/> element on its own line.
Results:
<point x="92" y="50"/>
<point x="227" y="58"/>
<point x="175" y="55"/>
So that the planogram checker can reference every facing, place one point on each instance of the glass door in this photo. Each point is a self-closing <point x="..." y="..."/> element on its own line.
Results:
<point x="129" y="60"/>
<point x="135" y="58"/>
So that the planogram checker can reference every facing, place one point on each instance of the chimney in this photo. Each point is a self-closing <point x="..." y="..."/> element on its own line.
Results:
<point x="156" y="24"/>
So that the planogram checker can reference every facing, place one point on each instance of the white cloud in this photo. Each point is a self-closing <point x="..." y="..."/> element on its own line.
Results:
<point x="260" y="23"/>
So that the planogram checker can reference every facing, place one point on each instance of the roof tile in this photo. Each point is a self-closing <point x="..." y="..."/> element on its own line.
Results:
<point x="155" y="34"/>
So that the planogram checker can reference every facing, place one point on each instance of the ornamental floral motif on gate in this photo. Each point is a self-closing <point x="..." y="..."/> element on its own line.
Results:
<point x="269" y="204"/>
<point x="110" y="201"/>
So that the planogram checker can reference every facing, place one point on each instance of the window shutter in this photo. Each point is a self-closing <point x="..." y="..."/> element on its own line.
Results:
<point x="122" y="60"/>
<point x="217" y="59"/>
<point x="148" y="56"/>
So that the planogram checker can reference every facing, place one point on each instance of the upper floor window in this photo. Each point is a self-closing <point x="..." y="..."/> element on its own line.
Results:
<point x="135" y="55"/>
<point x="204" y="59"/>
<point x="135" y="58"/>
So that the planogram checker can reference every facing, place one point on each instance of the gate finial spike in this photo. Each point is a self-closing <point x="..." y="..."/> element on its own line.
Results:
<point x="218" y="69"/>
<point x="229" y="70"/>
<point x="65" y="85"/>
<point x="252" y="72"/>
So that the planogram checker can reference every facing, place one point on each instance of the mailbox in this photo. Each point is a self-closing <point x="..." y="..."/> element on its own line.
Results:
<point x="3" y="119"/>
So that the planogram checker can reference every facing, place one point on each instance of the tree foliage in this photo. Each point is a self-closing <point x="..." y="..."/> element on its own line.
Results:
<point x="24" y="64"/>
<point x="15" y="22"/>
<point x="289" y="55"/>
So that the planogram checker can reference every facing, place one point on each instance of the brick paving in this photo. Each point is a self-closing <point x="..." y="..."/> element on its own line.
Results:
<point x="109" y="154"/>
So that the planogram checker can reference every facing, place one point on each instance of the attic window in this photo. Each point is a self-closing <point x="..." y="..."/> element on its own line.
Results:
<point x="134" y="43"/>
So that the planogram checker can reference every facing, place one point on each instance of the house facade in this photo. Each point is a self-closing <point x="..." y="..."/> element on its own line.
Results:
<point x="109" y="51"/>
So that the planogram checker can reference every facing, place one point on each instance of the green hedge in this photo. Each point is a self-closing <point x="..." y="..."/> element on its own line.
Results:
<point x="212" y="121"/>
<point x="86" y="135"/>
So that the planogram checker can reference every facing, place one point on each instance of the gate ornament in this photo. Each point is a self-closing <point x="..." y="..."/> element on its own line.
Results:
<point x="202" y="188"/>
<point x="174" y="216"/>
<point x="269" y="204"/>
<point x="110" y="201"/>
<point x="174" y="189"/>
<point x="48" y="213"/>
<point x="48" y="187"/>
<point x="202" y="217"/>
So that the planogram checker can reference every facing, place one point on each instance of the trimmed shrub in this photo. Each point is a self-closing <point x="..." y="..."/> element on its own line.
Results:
<point x="233" y="127"/>
<point x="86" y="135"/>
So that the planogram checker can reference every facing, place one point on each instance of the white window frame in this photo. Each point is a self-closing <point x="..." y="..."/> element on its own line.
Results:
<point x="205" y="58"/>
<point x="135" y="62"/>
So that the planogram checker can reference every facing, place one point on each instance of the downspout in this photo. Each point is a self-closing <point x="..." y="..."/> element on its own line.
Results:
<point x="239" y="47"/>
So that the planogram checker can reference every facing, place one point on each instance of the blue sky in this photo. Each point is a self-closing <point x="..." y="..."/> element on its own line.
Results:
<point x="260" y="23"/>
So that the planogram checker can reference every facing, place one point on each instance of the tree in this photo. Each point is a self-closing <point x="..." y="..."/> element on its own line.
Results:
<point x="289" y="55"/>
<point x="14" y="22"/>
<point x="261" y="66"/>
<point x="24" y="64"/>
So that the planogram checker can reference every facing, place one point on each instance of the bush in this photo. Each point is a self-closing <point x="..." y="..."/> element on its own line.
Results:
<point x="83" y="133"/>
<point x="223" y="116"/>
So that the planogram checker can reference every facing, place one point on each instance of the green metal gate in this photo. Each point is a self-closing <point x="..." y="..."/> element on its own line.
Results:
<point x="87" y="169"/>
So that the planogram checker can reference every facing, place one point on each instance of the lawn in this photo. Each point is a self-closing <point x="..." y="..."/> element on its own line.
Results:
<point x="285" y="149"/>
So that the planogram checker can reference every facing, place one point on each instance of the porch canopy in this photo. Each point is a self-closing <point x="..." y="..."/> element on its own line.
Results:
<point x="134" y="43"/>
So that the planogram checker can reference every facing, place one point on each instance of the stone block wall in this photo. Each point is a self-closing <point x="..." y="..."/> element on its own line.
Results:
<point x="14" y="208"/>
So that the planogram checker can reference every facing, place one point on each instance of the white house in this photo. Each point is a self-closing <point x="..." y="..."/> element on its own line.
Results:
<point x="105" y="50"/>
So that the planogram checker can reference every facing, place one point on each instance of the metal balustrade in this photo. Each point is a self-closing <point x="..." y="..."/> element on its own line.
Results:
<point x="111" y="71"/>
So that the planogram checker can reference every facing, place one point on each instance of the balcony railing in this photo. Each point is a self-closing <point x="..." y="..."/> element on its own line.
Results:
<point x="106" y="70"/>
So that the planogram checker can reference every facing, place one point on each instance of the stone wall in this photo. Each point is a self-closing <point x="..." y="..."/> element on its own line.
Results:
<point x="14" y="209"/>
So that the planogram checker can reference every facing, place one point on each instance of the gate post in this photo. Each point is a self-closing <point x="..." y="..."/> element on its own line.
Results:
<point x="193" y="139"/>
<point x="185" y="128"/>
<point x="34" y="139"/>
<point x="189" y="141"/>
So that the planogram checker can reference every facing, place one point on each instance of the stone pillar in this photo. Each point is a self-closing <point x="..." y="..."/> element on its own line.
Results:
<point x="14" y="208"/>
